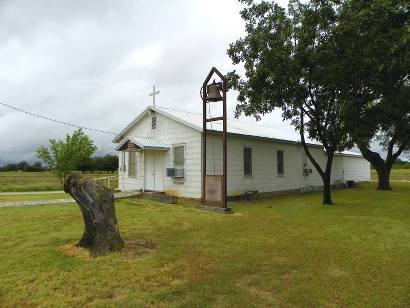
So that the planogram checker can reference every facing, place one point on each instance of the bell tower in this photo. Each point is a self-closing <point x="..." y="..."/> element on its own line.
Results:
<point x="214" y="187"/>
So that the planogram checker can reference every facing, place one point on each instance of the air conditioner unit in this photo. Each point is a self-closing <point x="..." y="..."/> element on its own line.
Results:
<point x="179" y="173"/>
<point x="175" y="172"/>
<point x="170" y="172"/>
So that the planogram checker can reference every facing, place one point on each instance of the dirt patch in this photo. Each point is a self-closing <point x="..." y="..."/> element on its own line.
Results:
<point x="138" y="248"/>
<point x="132" y="250"/>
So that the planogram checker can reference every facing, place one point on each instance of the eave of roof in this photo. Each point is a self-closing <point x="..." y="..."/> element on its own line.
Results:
<point x="144" y="143"/>
<point x="142" y="114"/>
<point x="198" y="128"/>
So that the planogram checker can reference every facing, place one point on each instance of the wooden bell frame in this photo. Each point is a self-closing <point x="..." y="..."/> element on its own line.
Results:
<point x="204" y="94"/>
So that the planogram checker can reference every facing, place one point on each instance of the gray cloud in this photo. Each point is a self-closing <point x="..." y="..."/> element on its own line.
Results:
<point x="93" y="63"/>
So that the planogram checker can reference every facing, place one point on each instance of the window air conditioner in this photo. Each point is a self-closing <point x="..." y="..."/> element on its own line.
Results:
<point x="179" y="173"/>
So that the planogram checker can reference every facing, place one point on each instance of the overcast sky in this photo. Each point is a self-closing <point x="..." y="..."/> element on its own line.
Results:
<point x="94" y="62"/>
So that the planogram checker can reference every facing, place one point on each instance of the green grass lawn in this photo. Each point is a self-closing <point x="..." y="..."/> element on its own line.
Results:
<point x="285" y="251"/>
<point x="35" y="181"/>
<point x="396" y="174"/>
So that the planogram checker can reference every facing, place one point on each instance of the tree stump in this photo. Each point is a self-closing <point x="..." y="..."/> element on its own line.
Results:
<point x="101" y="233"/>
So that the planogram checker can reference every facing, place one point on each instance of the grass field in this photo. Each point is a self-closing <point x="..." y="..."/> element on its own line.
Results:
<point x="396" y="175"/>
<point x="288" y="251"/>
<point x="46" y="181"/>
<point x="36" y="181"/>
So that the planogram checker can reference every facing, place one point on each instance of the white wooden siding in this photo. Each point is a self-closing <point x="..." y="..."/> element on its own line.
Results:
<point x="127" y="183"/>
<point x="264" y="166"/>
<point x="172" y="133"/>
<point x="356" y="169"/>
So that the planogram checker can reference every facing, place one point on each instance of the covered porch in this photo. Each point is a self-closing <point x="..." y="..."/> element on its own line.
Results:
<point x="142" y="163"/>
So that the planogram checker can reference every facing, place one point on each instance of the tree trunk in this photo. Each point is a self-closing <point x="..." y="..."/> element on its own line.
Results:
<point x="383" y="167"/>
<point x="101" y="233"/>
<point x="327" y="179"/>
<point x="383" y="178"/>
<point x="327" y="196"/>
<point x="325" y="175"/>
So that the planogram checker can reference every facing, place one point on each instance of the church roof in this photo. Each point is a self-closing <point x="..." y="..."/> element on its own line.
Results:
<point x="237" y="127"/>
<point x="234" y="127"/>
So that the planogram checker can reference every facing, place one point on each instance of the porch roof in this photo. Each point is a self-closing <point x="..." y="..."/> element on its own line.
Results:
<point x="144" y="143"/>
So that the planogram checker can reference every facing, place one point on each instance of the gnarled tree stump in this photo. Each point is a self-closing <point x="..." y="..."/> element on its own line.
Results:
<point x="101" y="233"/>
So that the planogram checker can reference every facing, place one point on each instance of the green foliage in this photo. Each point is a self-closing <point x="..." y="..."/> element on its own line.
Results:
<point x="63" y="156"/>
<point x="401" y="165"/>
<point x="23" y="166"/>
<point x="291" y="62"/>
<point x="286" y="251"/>
<point x="374" y="43"/>
<point x="344" y="66"/>
<point x="107" y="163"/>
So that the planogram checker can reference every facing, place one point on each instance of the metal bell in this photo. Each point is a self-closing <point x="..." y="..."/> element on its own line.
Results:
<point x="214" y="92"/>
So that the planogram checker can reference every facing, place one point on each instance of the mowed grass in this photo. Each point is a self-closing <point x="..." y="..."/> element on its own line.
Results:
<point x="396" y="174"/>
<point x="287" y="251"/>
<point x="37" y="181"/>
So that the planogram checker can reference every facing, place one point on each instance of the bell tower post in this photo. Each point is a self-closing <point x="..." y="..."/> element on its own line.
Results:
<point x="212" y="93"/>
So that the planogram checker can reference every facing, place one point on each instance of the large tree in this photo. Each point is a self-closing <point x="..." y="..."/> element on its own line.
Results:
<point x="373" y="39"/>
<point x="63" y="156"/>
<point x="290" y="62"/>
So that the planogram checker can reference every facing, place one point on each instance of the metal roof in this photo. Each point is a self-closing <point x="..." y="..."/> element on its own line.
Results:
<point x="238" y="127"/>
<point x="194" y="120"/>
<point x="145" y="143"/>
<point x="234" y="126"/>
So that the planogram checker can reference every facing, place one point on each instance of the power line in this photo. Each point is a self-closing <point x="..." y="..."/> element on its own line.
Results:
<point x="174" y="109"/>
<point x="57" y="121"/>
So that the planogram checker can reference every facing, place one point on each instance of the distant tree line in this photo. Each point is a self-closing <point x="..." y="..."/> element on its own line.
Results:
<point x="401" y="164"/>
<point x="107" y="163"/>
<point x="24" y="166"/>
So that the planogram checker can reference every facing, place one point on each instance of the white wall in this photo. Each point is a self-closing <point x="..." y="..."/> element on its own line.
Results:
<point x="264" y="166"/>
<point x="264" y="175"/>
<point x="172" y="133"/>
<point x="127" y="183"/>
<point x="356" y="169"/>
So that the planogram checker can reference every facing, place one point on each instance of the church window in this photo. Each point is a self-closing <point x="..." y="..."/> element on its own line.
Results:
<point x="179" y="156"/>
<point x="132" y="164"/>
<point x="247" y="161"/>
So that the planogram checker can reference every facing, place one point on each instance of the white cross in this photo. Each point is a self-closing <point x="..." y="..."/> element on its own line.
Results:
<point x="153" y="94"/>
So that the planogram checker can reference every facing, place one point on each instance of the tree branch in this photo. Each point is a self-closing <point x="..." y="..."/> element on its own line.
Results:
<point x="305" y="147"/>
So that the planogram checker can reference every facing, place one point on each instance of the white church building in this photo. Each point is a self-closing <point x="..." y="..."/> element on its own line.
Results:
<point x="160" y="150"/>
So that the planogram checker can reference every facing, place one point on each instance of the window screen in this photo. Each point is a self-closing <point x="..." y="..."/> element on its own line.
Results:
<point x="179" y="156"/>
<point x="247" y="161"/>
<point x="132" y="164"/>
<point x="280" y="163"/>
